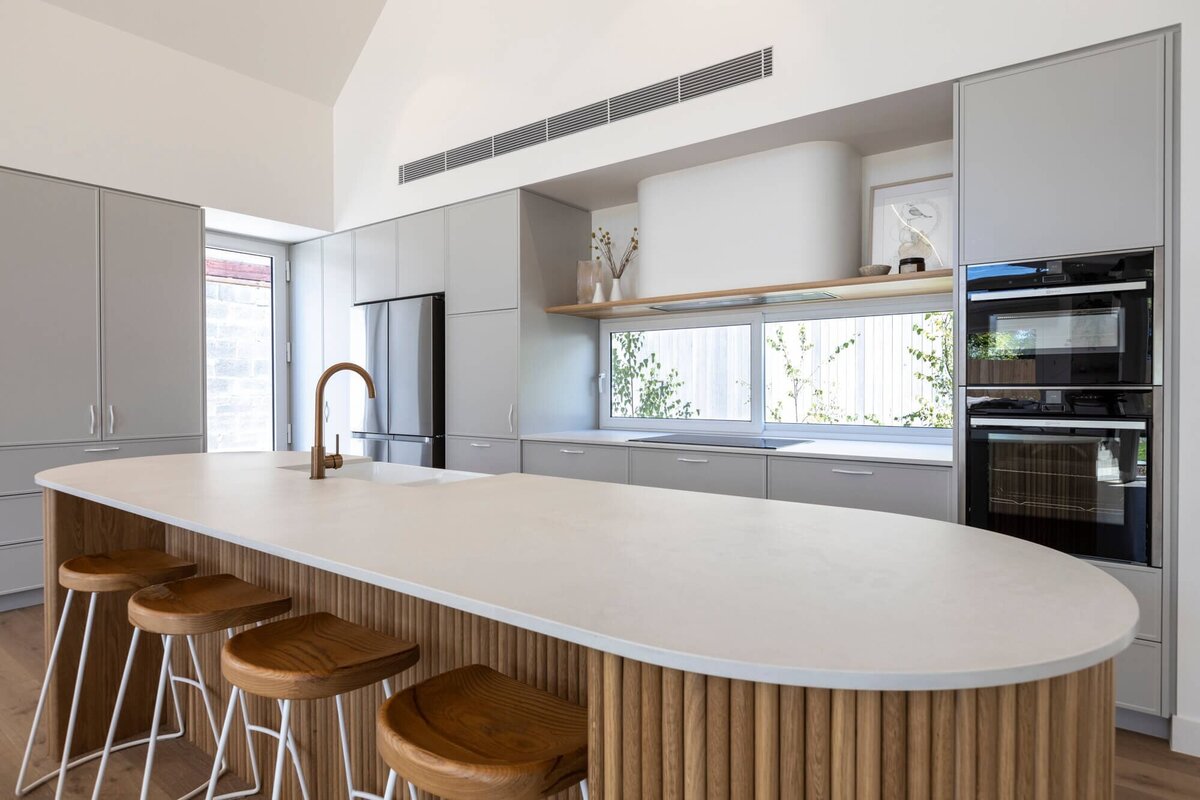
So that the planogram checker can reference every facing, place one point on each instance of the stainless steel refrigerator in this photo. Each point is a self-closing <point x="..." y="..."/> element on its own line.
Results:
<point x="402" y="344"/>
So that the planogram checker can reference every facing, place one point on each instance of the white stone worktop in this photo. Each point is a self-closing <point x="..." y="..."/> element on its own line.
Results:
<point x="895" y="452"/>
<point x="760" y="590"/>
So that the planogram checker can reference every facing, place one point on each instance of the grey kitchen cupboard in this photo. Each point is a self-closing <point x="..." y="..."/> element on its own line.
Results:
<point x="337" y="278"/>
<point x="18" y="465"/>
<point x="308" y="358"/>
<point x="590" y="462"/>
<point x="1065" y="156"/>
<point x="481" y="454"/>
<point x="49" y="310"/>
<point x="375" y="262"/>
<point x="20" y="518"/>
<point x="699" y="471"/>
<point x="151" y="316"/>
<point x="421" y="253"/>
<point x="1139" y="677"/>
<point x="919" y="491"/>
<point x="20" y="569"/>
<point x="483" y="254"/>
<point x="482" y="374"/>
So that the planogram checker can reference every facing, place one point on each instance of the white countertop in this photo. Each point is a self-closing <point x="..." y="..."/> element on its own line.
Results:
<point x="759" y="590"/>
<point x="938" y="455"/>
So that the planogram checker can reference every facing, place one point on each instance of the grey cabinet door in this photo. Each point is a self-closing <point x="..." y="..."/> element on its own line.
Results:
<point x="699" y="471"/>
<point x="307" y="334"/>
<point x="481" y="374"/>
<point x="49" y="311"/>
<point x="337" y="272"/>
<point x="151" y="305"/>
<point x="421" y="252"/>
<point x="1065" y="157"/>
<point x="479" y="454"/>
<point x="589" y="462"/>
<point x="375" y="262"/>
<point x="898" y="488"/>
<point x="483" y="254"/>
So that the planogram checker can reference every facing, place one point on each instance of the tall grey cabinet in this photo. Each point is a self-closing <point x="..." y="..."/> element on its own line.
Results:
<point x="101" y="338"/>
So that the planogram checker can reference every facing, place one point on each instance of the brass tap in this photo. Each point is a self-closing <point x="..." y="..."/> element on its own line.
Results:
<point x="319" y="461"/>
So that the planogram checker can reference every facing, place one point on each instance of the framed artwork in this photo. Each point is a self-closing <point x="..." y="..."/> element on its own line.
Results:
<point x="912" y="219"/>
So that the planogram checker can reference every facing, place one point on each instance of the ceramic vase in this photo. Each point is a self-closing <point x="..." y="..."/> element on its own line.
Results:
<point x="598" y="292"/>
<point x="614" y="294"/>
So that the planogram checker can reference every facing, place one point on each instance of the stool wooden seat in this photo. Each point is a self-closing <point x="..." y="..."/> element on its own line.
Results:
<point x="203" y="605"/>
<point x="313" y="656"/>
<point x="473" y="733"/>
<point x="122" y="570"/>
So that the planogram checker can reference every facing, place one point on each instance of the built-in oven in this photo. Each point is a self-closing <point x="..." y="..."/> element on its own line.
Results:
<point x="1078" y="321"/>
<point x="1071" y="469"/>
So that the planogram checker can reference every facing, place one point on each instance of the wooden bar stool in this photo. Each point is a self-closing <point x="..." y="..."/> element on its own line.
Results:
<point x="99" y="573"/>
<point x="188" y="608"/>
<point x="475" y="734"/>
<point x="309" y="658"/>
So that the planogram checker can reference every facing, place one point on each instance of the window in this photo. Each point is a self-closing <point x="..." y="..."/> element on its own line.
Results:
<point x="867" y="369"/>
<point x="882" y="370"/>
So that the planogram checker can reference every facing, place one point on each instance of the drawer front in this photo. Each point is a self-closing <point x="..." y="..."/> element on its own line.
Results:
<point x="898" y="488"/>
<point x="1139" y="677"/>
<point x="699" y="471"/>
<point x="20" y="518"/>
<point x="584" y="461"/>
<point x="1146" y="586"/>
<point x="18" y="465"/>
<point x="493" y="456"/>
<point x="21" y="567"/>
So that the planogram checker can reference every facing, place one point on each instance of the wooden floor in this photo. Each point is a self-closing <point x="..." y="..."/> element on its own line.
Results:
<point x="1146" y="768"/>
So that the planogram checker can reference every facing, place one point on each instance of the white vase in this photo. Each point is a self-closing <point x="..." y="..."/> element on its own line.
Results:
<point x="598" y="292"/>
<point x="615" y="293"/>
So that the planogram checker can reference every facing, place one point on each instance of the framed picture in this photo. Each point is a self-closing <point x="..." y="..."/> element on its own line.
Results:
<point x="912" y="219"/>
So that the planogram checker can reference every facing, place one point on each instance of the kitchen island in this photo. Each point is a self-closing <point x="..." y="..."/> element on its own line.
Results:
<point x="724" y="646"/>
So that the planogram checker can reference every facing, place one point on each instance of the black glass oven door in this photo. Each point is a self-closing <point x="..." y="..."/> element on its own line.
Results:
<point x="1061" y="336"/>
<point x="1079" y="486"/>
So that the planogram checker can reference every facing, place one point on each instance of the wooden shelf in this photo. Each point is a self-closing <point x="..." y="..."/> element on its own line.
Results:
<point x="938" y="281"/>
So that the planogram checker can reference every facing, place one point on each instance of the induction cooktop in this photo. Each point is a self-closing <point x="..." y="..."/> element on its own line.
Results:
<point x="756" y="442"/>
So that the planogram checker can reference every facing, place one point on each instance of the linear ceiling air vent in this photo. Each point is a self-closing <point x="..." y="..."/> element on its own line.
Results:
<point x="517" y="138"/>
<point x="469" y="153"/>
<point x="735" y="71"/>
<point x="578" y="120"/>
<point x="721" y="76"/>
<point x="424" y="166"/>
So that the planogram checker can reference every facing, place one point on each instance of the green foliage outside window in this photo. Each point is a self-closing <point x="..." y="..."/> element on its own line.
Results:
<point x="802" y="377"/>
<point x="639" y="387"/>
<point x="935" y="367"/>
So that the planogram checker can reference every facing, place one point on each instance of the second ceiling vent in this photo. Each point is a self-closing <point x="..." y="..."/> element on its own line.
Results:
<point x="736" y="71"/>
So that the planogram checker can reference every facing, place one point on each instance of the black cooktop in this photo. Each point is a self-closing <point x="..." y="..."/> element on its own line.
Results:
<point x="757" y="442"/>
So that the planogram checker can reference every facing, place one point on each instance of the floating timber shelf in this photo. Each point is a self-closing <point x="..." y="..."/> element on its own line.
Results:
<point x="914" y="283"/>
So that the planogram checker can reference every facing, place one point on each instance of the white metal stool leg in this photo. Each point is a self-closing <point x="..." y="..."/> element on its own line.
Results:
<point x="285" y="730"/>
<point x="41" y="703"/>
<point x="83" y="654"/>
<point x="583" y="788"/>
<point x="351" y="792"/>
<point x="237" y="700"/>
<point x="158" y="704"/>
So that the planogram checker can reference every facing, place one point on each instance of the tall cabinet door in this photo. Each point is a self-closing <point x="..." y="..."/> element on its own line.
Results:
<point x="375" y="262"/>
<point x="307" y="339"/>
<point x="151" y="307"/>
<point x="49" y="311"/>
<point x="483" y="254"/>
<point x="481" y="374"/>
<point x="421" y="251"/>
<point x="338" y="278"/>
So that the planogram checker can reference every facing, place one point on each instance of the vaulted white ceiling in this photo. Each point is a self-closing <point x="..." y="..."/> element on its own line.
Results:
<point x="305" y="46"/>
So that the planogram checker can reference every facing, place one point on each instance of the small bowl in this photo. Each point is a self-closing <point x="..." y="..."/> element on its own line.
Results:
<point x="874" y="270"/>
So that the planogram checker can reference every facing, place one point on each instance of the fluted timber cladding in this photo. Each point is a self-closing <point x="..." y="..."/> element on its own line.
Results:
<point x="662" y="733"/>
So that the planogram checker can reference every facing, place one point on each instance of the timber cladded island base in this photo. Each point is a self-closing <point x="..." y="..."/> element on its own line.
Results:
<point x="664" y="733"/>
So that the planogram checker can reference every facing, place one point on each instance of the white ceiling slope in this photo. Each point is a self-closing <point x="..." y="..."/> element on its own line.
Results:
<point x="304" y="46"/>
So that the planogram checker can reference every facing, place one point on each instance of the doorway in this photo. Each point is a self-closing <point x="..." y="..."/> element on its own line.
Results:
<point x="245" y="300"/>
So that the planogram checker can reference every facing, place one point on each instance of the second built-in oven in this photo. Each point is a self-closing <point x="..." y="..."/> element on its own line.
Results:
<point x="1075" y="470"/>
<point x="1077" y="321"/>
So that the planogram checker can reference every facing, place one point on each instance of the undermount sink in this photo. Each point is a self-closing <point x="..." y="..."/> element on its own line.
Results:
<point x="393" y="474"/>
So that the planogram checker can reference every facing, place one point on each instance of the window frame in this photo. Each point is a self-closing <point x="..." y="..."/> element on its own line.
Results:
<point x="716" y="319"/>
<point x="757" y="320"/>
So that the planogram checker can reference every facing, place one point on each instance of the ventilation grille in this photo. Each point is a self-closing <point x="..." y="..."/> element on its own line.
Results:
<point x="735" y="71"/>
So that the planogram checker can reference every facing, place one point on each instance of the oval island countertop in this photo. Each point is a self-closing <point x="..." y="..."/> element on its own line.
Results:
<point x="758" y="590"/>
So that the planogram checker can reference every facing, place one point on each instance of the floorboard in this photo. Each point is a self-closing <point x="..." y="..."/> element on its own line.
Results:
<point x="1146" y="769"/>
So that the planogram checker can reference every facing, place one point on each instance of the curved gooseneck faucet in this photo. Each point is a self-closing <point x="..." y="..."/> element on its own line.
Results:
<point x="319" y="461"/>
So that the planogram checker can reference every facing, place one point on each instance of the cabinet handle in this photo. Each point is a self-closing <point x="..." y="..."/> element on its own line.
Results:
<point x="112" y="420"/>
<point x="100" y="449"/>
<point x="510" y="417"/>
<point x="693" y="460"/>
<point x="571" y="452"/>
<point x="92" y="419"/>
<point x="852" y="471"/>
<point x="480" y="444"/>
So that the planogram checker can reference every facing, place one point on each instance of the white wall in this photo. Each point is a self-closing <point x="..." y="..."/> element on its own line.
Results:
<point x="84" y="101"/>
<point x="781" y="216"/>
<point x="470" y="71"/>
